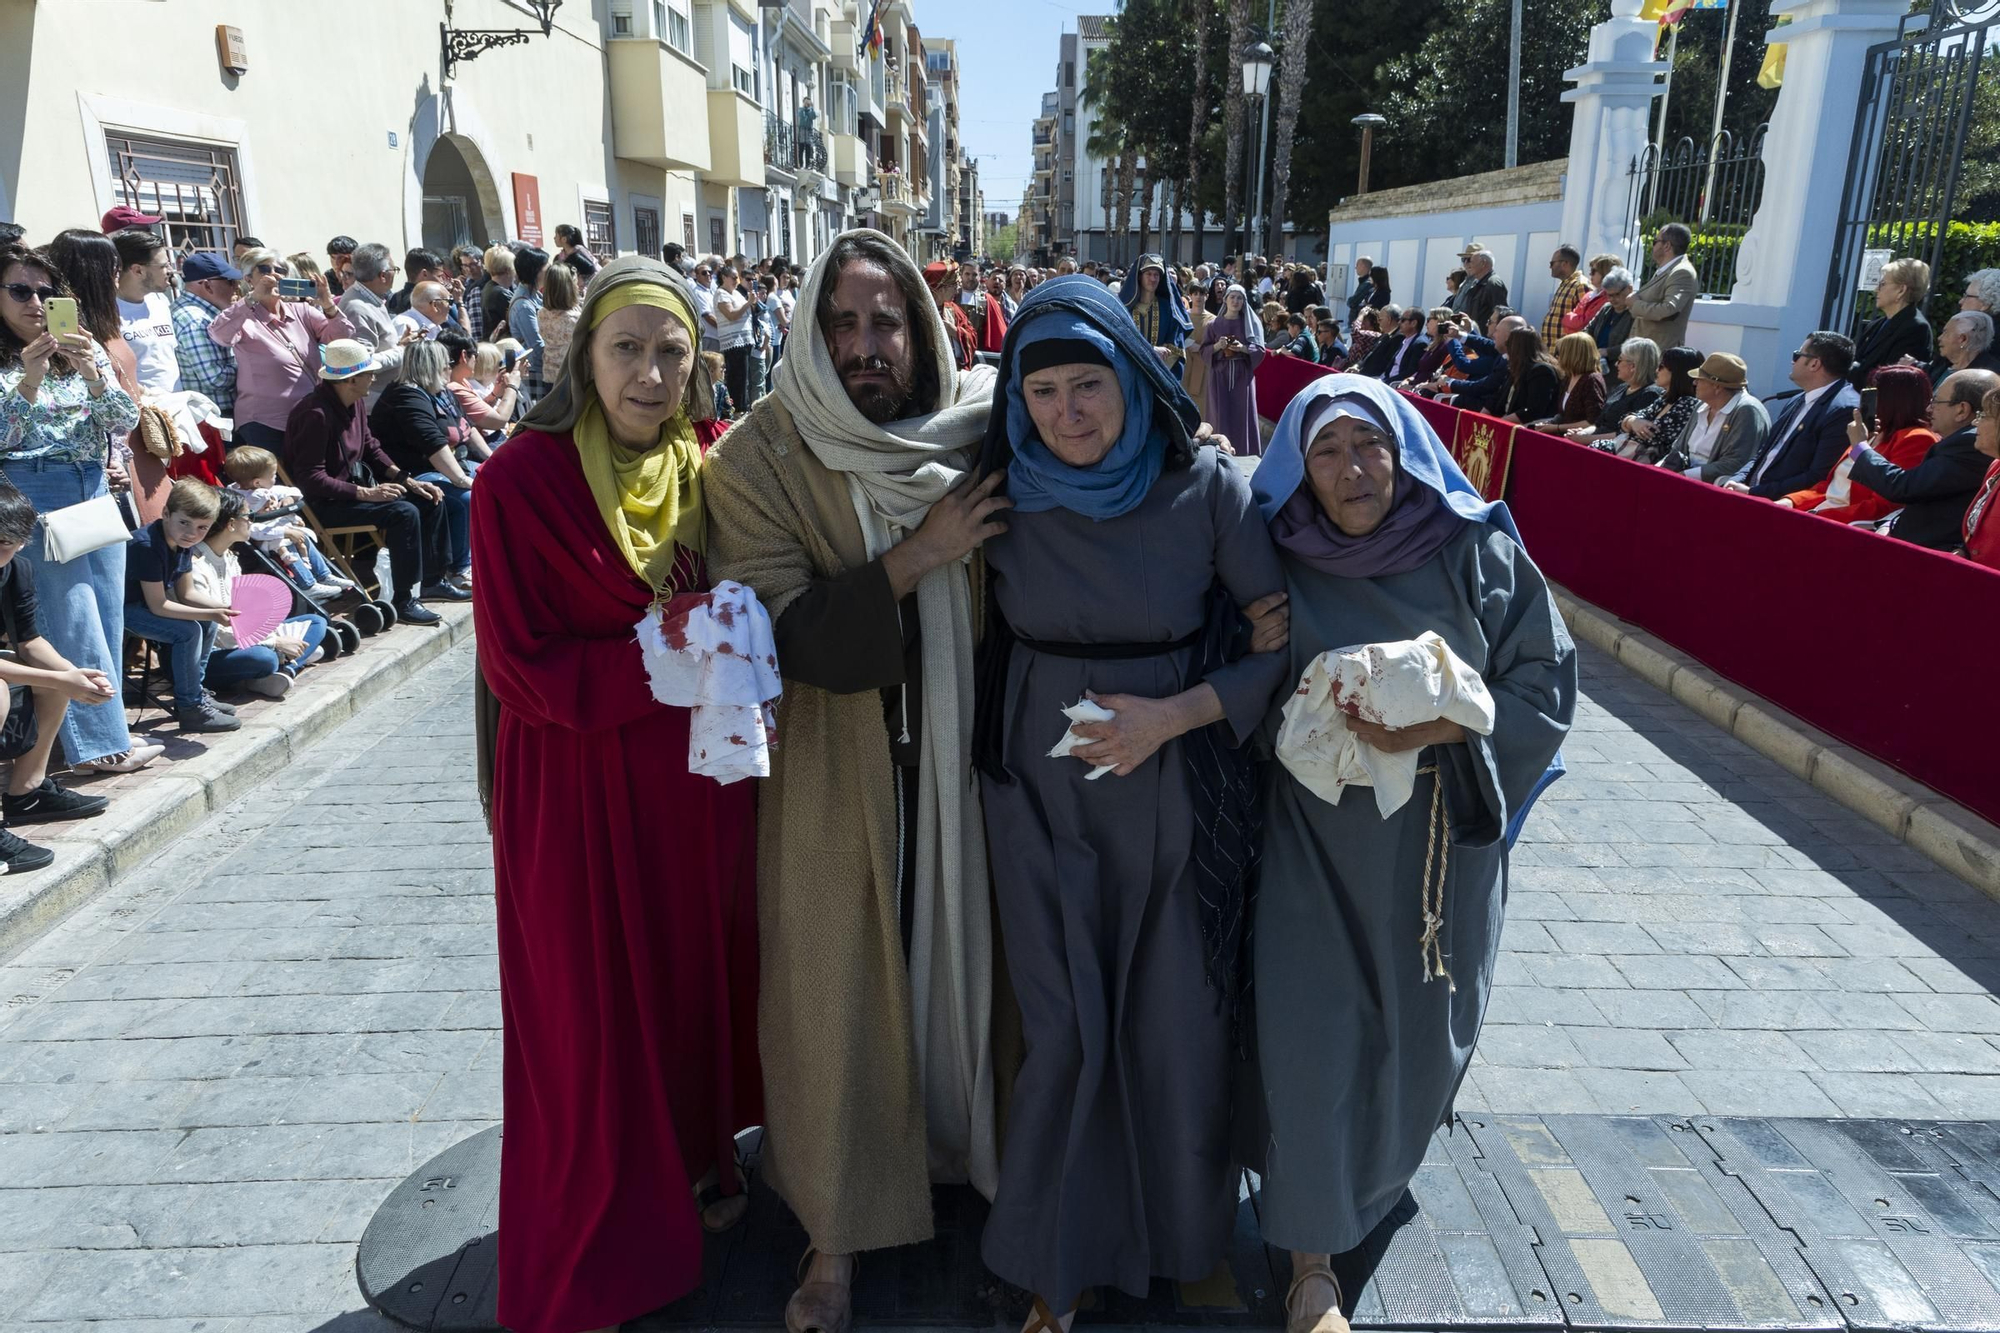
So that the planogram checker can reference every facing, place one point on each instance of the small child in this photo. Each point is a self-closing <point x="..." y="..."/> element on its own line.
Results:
<point x="159" y="564"/>
<point x="724" y="407"/>
<point x="268" y="666"/>
<point x="253" y="474"/>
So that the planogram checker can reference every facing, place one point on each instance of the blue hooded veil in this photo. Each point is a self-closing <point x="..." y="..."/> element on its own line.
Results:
<point x="1420" y="455"/>
<point x="1174" y="314"/>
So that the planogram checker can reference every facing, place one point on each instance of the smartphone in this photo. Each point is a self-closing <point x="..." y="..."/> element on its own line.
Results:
<point x="297" y="289"/>
<point x="512" y="357"/>
<point x="1868" y="407"/>
<point x="60" y="312"/>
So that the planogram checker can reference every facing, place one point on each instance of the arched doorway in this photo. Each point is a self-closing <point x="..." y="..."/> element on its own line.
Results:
<point x="454" y="213"/>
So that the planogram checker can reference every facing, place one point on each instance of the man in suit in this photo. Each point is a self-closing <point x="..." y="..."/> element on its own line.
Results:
<point x="1660" y="308"/>
<point x="1729" y="427"/>
<point x="1934" y="494"/>
<point x="1810" y="435"/>
<point x="1482" y="293"/>
<point x="1399" y="356"/>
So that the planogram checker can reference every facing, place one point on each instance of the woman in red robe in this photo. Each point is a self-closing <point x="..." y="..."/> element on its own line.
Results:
<point x="625" y="886"/>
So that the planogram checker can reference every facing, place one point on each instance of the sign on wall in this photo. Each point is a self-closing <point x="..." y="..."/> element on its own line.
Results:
<point x="1872" y="264"/>
<point x="528" y="208"/>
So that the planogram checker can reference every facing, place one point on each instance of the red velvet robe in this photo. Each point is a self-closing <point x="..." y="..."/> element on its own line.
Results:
<point x="626" y="897"/>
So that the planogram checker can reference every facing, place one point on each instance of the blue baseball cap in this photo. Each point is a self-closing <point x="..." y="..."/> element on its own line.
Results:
<point x="205" y="264"/>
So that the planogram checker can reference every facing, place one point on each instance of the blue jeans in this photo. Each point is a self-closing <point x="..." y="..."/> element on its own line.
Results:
<point x="264" y="437"/>
<point x="232" y="666"/>
<point x="80" y="603"/>
<point x="457" y="516"/>
<point x="187" y="642"/>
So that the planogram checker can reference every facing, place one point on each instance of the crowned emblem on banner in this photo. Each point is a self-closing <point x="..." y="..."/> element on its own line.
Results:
<point x="1477" y="461"/>
<point x="1483" y="448"/>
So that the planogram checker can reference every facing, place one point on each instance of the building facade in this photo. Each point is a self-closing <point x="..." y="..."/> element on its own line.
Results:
<point x="728" y="126"/>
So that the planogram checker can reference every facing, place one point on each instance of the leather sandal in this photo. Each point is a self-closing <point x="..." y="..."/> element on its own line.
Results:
<point x="821" y="1307"/>
<point x="1330" y="1320"/>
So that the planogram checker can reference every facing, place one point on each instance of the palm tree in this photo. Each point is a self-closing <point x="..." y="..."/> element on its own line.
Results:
<point x="1110" y="142"/>
<point x="1298" y="25"/>
<point x="1232" y="134"/>
<point x="1204" y="10"/>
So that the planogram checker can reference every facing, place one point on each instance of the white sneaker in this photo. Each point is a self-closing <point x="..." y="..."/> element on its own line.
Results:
<point x="324" y="590"/>
<point x="131" y="761"/>
<point x="334" y="580"/>
<point x="314" y="657"/>
<point x="274" y="686"/>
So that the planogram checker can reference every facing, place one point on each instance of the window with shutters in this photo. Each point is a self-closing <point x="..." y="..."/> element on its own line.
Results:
<point x="194" y="187"/>
<point x="742" y="56"/>
<point x="677" y="25"/>
<point x="600" y="229"/>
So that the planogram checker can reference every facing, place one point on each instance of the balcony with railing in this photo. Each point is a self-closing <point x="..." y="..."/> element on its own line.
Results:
<point x="896" y="194"/>
<point x="789" y="148"/>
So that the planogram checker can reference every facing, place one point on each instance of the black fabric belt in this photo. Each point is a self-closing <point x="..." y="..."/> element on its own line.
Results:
<point x="1107" y="652"/>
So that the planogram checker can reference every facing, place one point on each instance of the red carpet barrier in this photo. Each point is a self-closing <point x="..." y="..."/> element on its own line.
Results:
<point x="1279" y="378"/>
<point x="1803" y="611"/>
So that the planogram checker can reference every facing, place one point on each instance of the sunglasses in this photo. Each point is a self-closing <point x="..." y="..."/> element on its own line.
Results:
<point x="22" y="292"/>
<point x="267" y="269"/>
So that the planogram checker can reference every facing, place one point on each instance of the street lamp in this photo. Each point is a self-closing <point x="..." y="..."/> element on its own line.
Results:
<point x="1368" y="122"/>
<point x="1258" y="60"/>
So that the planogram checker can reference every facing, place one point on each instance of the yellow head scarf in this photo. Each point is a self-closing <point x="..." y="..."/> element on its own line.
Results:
<point x="650" y="499"/>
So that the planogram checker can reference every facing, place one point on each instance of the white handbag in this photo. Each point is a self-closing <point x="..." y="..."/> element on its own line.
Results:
<point x="79" y="529"/>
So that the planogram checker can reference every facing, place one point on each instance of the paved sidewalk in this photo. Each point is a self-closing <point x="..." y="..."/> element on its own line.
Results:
<point x="213" y="1074"/>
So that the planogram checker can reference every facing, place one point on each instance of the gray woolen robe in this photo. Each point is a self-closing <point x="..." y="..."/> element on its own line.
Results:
<point x="1117" y="1163"/>
<point x="1360" y="1057"/>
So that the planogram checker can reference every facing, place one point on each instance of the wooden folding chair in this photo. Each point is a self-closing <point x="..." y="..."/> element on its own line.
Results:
<point x="345" y="545"/>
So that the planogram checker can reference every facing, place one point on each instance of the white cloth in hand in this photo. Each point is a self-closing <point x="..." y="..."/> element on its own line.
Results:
<point x="1395" y="685"/>
<point x="714" y="654"/>
<point x="1083" y="710"/>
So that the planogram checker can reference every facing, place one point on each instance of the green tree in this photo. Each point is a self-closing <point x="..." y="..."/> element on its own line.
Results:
<point x="1002" y="243"/>
<point x="1296" y="37"/>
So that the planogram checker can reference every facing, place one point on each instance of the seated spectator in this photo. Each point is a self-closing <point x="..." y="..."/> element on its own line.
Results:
<point x="419" y="265"/>
<point x="1332" y="351"/>
<point x="561" y="303"/>
<point x="1401" y="361"/>
<point x="1982" y="292"/>
<point x="348" y="479"/>
<point x="1439" y="329"/>
<point x="1533" y="383"/>
<point x="421" y="429"/>
<point x="1611" y="325"/>
<point x="486" y="394"/>
<point x="1582" y="383"/>
<point x="1810" y="435"/>
<point x="1965" y="343"/>
<point x="429" y="310"/>
<point x="1936" y="492"/>
<point x="1585" y="310"/>
<point x="41" y="684"/>
<point x="275" y="525"/>
<point x="1646" y="435"/>
<point x="267" y="668"/>
<point x="1982" y="516"/>
<point x="1900" y="330"/>
<point x="1727" y="429"/>
<point x="1297" y="341"/>
<point x="1486" y="379"/>
<point x="1362" y="335"/>
<point x="1388" y="341"/>
<point x="159" y="563"/>
<point x="1274" y="323"/>
<point x="1902" y="435"/>
<point x="1638" y="369"/>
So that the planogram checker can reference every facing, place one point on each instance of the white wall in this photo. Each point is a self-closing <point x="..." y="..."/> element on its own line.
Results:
<point x="1420" y="250"/>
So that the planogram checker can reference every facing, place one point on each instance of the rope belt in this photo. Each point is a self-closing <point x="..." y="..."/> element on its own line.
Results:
<point x="1433" y="890"/>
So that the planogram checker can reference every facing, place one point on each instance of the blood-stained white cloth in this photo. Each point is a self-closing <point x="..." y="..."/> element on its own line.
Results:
<point x="714" y="654"/>
<point x="1397" y="685"/>
<point x="1083" y="710"/>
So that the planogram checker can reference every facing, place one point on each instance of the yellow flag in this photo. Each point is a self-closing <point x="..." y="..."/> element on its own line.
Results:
<point x="1772" y="73"/>
<point x="1654" y="10"/>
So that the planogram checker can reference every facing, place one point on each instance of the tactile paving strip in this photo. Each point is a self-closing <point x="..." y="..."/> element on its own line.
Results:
<point x="1513" y="1223"/>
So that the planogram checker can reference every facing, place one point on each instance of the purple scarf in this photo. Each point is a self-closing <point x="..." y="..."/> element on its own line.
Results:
<point x="1416" y="528"/>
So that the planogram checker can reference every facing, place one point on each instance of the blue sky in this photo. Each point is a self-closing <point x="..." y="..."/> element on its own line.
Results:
<point x="1007" y="59"/>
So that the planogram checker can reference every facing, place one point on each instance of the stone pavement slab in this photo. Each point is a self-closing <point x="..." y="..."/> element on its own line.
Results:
<point x="212" y="1073"/>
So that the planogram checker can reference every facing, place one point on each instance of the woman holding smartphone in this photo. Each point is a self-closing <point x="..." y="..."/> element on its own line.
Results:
<point x="1233" y="347"/>
<point x="277" y="344"/>
<point x="60" y="408"/>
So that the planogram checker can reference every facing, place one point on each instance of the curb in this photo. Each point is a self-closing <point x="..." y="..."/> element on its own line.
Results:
<point x="1929" y="823"/>
<point x="175" y="796"/>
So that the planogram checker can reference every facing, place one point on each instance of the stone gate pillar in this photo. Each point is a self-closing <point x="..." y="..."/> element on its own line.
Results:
<point x="1610" y="125"/>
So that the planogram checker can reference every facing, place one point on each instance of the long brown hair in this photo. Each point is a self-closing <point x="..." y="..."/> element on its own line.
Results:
<point x="1524" y="349"/>
<point x="88" y="262"/>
